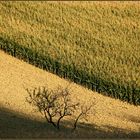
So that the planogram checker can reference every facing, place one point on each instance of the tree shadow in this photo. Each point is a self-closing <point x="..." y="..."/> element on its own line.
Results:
<point x="132" y="118"/>
<point x="15" y="125"/>
<point x="105" y="131"/>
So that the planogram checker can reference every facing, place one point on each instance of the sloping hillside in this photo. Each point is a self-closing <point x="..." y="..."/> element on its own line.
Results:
<point x="95" y="44"/>
<point x="112" y="118"/>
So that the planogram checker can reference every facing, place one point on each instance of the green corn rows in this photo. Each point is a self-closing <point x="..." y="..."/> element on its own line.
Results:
<point x="127" y="92"/>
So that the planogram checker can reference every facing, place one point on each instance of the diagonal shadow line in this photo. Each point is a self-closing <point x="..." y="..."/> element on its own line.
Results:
<point x="14" y="125"/>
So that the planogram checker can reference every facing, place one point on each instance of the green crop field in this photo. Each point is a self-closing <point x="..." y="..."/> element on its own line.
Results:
<point x="95" y="44"/>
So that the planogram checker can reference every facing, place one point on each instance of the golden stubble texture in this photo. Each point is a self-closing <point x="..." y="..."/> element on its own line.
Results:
<point x="16" y="75"/>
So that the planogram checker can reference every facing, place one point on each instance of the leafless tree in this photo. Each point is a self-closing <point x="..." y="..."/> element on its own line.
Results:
<point x="56" y="104"/>
<point x="83" y="114"/>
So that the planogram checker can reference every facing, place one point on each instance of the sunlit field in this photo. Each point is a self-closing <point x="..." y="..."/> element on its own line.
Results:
<point x="95" y="44"/>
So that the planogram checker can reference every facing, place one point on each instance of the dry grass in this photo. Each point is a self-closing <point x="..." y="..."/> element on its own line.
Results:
<point x="113" y="118"/>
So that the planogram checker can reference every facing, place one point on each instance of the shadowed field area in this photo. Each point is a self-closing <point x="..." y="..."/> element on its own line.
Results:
<point x="14" y="125"/>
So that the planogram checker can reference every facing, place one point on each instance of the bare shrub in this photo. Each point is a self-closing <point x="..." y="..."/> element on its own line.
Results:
<point x="56" y="104"/>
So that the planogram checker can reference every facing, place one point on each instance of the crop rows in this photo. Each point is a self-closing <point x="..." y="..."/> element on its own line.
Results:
<point x="78" y="42"/>
<point x="128" y="93"/>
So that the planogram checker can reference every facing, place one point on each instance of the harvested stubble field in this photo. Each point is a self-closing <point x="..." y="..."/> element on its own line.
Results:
<point x="95" y="44"/>
<point x="111" y="118"/>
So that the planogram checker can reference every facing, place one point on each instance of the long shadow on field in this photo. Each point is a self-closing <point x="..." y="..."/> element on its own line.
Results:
<point x="13" y="125"/>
